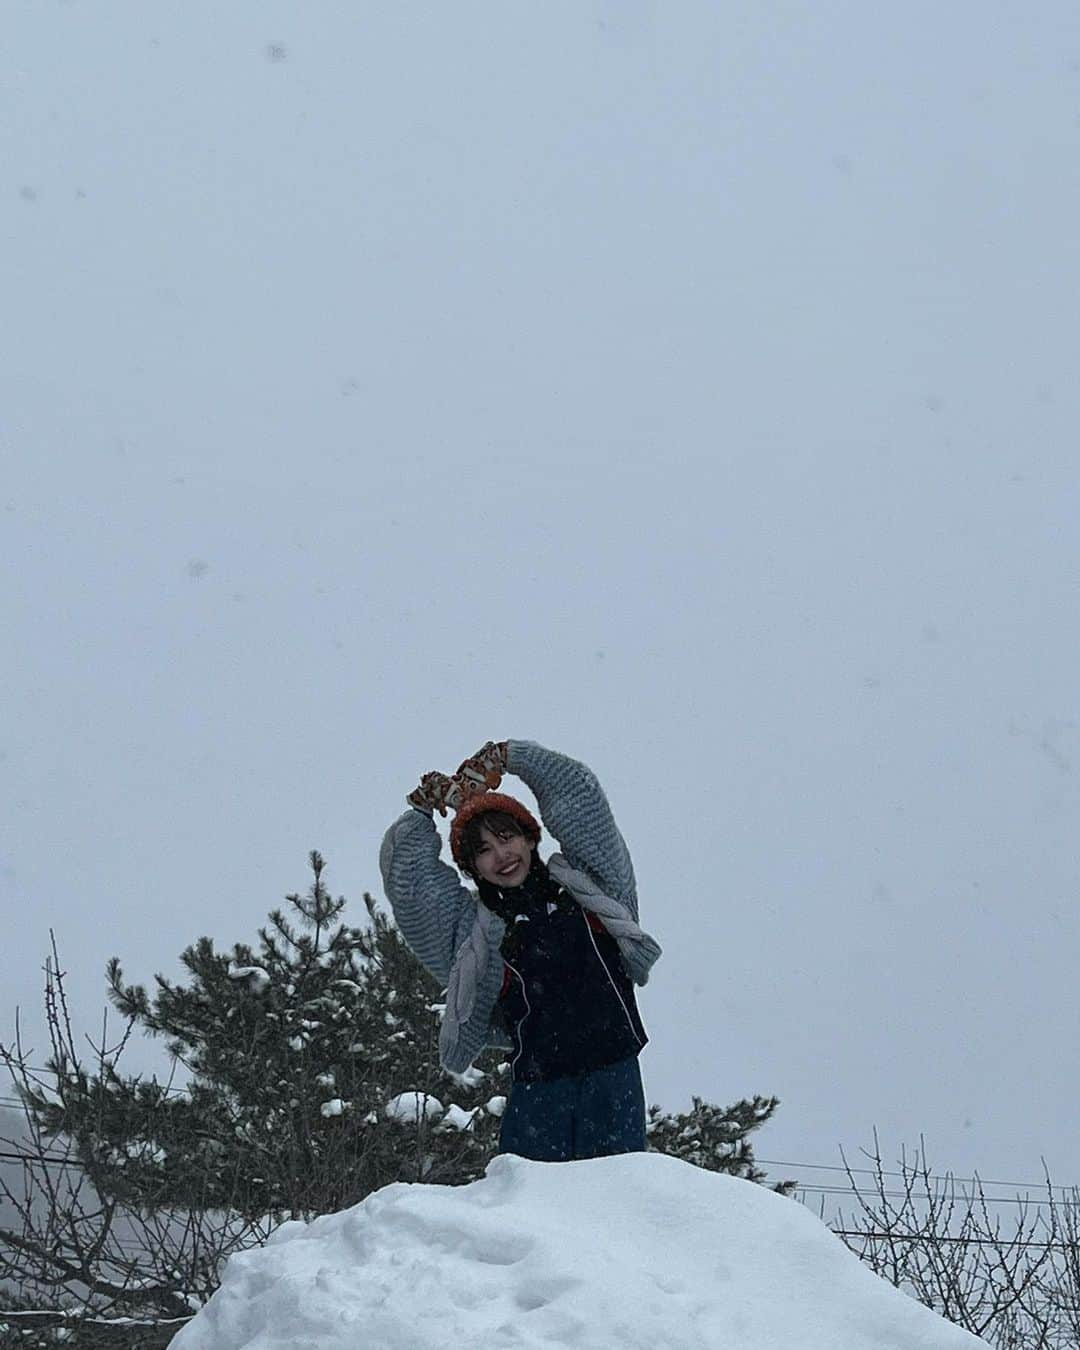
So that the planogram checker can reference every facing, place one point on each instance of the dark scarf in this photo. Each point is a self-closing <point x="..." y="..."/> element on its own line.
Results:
<point x="536" y="891"/>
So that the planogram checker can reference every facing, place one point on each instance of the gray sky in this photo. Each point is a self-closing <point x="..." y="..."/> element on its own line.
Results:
<point x="690" y="388"/>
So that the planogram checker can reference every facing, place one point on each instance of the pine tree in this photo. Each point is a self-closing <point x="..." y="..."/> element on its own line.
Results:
<point x="314" y="1079"/>
<point x="715" y="1137"/>
<point x="295" y="1050"/>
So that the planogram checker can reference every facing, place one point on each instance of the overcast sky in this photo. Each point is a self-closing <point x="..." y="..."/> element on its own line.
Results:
<point x="691" y="388"/>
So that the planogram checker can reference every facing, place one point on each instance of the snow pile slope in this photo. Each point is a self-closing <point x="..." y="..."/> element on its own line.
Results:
<point x="634" y="1251"/>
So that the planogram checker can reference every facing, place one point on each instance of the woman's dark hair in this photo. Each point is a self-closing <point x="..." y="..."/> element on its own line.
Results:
<point x="498" y="822"/>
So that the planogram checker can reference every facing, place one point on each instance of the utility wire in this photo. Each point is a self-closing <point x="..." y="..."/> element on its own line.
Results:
<point x="850" y="1192"/>
<point x="932" y="1176"/>
<point x="942" y="1177"/>
<point x="873" y="1171"/>
<point x="853" y="1193"/>
<point x="967" y="1241"/>
<point x="44" y="1159"/>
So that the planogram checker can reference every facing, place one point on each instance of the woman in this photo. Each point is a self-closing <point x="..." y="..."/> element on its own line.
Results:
<point x="542" y="960"/>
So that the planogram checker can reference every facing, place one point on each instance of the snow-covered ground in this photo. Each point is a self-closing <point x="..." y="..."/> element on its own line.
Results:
<point x="640" y="1251"/>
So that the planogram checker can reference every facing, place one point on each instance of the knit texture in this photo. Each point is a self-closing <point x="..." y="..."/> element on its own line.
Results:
<point x="477" y="805"/>
<point x="638" y="950"/>
<point x="437" y="914"/>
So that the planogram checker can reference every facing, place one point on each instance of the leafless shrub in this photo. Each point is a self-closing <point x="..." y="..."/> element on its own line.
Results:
<point x="77" y="1267"/>
<point x="1015" y="1282"/>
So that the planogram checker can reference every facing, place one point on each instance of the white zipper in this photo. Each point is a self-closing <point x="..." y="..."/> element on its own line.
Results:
<point x="611" y="981"/>
<point x="521" y="1020"/>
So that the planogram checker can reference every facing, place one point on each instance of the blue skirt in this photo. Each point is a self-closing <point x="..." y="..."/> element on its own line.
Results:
<point x="590" y="1115"/>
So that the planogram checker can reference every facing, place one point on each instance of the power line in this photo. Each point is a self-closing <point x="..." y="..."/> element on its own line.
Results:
<point x="966" y="1241"/>
<point x="940" y="1177"/>
<point x="64" y="1315"/>
<point x="862" y="1234"/>
<point x="850" y="1192"/>
<point x="931" y="1176"/>
<point x="42" y="1158"/>
<point x="853" y="1193"/>
<point x="168" y="1090"/>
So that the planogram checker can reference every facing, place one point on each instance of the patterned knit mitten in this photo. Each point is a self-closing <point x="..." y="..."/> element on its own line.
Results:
<point x="435" y="792"/>
<point x="484" y="770"/>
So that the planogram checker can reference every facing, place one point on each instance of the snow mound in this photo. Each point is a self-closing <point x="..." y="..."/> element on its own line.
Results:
<point x="638" y="1252"/>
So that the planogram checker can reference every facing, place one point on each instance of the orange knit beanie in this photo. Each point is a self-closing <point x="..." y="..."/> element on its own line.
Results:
<point x="475" y="804"/>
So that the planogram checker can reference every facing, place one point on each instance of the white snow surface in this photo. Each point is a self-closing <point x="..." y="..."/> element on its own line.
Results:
<point x="638" y="1252"/>
<point x="410" y="1107"/>
<point x="259" y="979"/>
<point x="458" y="1118"/>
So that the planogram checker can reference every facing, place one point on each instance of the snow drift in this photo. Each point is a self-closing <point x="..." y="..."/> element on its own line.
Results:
<point x="635" y="1251"/>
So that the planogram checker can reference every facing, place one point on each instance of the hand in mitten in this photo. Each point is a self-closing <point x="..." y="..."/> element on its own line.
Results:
<point x="484" y="770"/>
<point x="431" y="793"/>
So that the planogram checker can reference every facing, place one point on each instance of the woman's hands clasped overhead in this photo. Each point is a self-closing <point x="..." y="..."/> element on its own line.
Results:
<point x="481" y="772"/>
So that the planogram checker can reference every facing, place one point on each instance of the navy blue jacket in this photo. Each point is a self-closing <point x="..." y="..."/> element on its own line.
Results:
<point x="567" y="1002"/>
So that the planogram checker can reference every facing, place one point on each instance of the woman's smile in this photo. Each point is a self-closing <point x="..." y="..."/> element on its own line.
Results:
<point x="503" y="860"/>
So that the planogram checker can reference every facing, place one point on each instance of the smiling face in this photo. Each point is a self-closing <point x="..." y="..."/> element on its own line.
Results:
<point x="502" y="858"/>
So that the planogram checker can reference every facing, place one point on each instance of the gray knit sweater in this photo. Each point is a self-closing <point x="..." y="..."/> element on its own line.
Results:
<point x="438" y="916"/>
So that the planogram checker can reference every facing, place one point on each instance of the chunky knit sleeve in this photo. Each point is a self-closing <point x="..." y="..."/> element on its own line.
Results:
<point x="576" y="812"/>
<point x="432" y="908"/>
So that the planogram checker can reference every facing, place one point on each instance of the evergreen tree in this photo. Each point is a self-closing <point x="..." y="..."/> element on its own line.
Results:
<point x="295" y="1050"/>
<point x="714" y="1137"/>
<point x="314" y="1080"/>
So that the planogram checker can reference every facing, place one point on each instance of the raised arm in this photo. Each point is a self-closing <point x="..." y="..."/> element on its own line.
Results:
<point x="576" y="812"/>
<point x="432" y="908"/>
